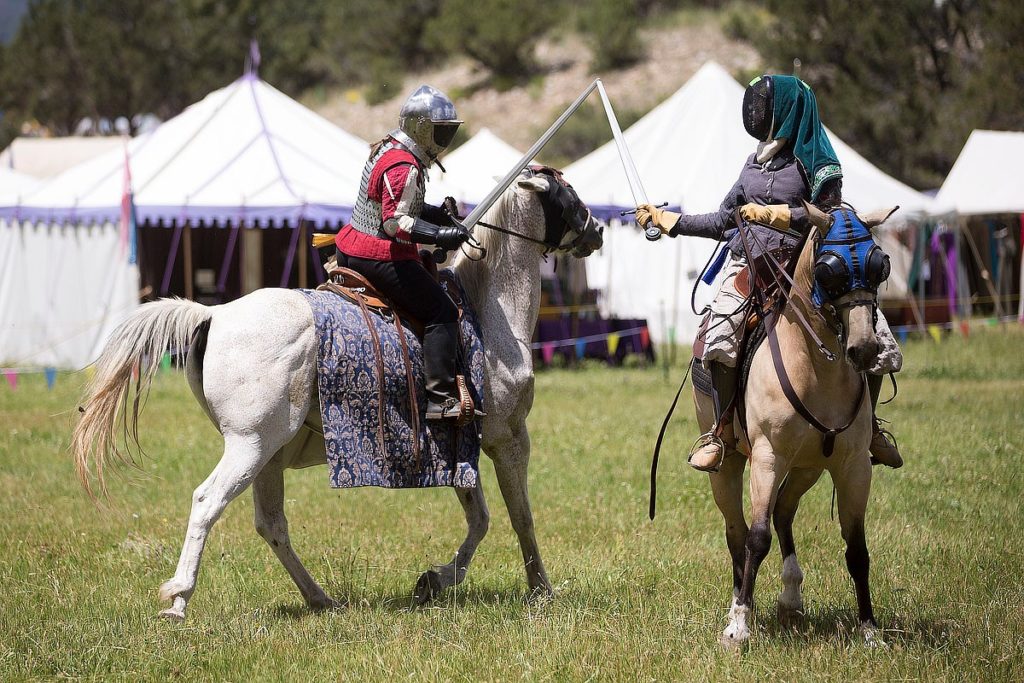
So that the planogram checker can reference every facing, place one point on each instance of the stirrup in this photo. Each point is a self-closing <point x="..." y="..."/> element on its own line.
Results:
<point x="461" y="409"/>
<point x="707" y="439"/>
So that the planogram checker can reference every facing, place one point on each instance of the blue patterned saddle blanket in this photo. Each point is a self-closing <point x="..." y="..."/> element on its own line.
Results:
<point x="401" y="450"/>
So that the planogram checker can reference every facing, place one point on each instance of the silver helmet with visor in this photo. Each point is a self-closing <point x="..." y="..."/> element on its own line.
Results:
<point x="429" y="121"/>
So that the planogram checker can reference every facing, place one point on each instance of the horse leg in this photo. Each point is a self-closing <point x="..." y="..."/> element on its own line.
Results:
<point x="764" y="486"/>
<point x="511" y="457"/>
<point x="272" y="526"/>
<point x="852" y="490"/>
<point x="433" y="581"/>
<point x="791" y="604"/>
<point x="243" y="458"/>
<point x="727" y="487"/>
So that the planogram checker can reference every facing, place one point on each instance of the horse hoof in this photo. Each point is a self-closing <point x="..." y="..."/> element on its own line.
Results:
<point x="789" y="615"/>
<point x="731" y="643"/>
<point x="176" y="612"/>
<point x="540" y="595"/>
<point x="324" y="604"/>
<point x="428" y="587"/>
<point x="872" y="636"/>
<point x="173" y="614"/>
<point x="736" y="634"/>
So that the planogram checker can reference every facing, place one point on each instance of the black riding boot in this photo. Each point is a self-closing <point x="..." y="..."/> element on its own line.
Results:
<point x="439" y="348"/>
<point x="440" y="344"/>
<point x="710" y="448"/>
<point x="883" y="445"/>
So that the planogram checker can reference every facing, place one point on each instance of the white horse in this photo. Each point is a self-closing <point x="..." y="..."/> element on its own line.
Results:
<point x="256" y="380"/>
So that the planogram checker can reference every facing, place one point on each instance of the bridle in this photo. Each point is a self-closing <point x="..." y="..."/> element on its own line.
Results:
<point x="854" y="278"/>
<point x="564" y="214"/>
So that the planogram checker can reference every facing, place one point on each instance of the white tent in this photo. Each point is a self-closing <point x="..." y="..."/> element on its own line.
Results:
<point x="985" y="178"/>
<point x="46" y="157"/>
<point x="15" y="182"/>
<point x="688" y="151"/>
<point x="246" y="154"/>
<point x="246" y="151"/>
<point x="471" y="169"/>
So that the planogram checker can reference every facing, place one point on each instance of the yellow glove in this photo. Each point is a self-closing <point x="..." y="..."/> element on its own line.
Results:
<point x="775" y="215"/>
<point x="662" y="219"/>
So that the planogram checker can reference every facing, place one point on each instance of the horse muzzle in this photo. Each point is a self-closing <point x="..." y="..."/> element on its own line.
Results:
<point x="590" y="239"/>
<point x="859" y="326"/>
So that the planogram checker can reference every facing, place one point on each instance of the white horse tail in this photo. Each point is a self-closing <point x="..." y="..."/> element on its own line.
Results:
<point x="133" y="351"/>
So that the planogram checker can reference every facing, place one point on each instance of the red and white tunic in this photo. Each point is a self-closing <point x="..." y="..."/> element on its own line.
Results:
<point x="390" y="200"/>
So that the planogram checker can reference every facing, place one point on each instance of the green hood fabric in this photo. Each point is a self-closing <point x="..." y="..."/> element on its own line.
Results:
<point x="796" y="119"/>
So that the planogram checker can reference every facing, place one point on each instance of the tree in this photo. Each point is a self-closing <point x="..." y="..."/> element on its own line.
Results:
<point x="374" y="43"/>
<point x="101" y="59"/>
<point x="905" y="82"/>
<point x="500" y="34"/>
<point x="611" y="27"/>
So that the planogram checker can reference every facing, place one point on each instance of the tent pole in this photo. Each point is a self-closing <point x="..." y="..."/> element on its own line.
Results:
<point x="290" y="258"/>
<point x="303" y="256"/>
<point x="320" y="276"/>
<point x="172" y="255"/>
<point x="225" y="266"/>
<point x="1020" y="284"/>
<point x="922" y="243"/>
<point x="981" y="267"/>
<point x="189" y="294"/>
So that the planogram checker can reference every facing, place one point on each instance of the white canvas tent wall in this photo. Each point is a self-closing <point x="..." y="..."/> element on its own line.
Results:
<point x="688" y="152"/>
<point x="245" y="155"/>
<point x="471" y="169"/>
<point x="986" y="178"/>
<point x="244" y="151"/>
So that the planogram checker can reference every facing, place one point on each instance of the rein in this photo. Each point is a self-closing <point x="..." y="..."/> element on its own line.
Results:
<point x="785" y="293"/>
<point x="548" y="246"/>
<point x="787" y="296"/>
<point x="513" y="233"/>
<point x="829" y="433"/>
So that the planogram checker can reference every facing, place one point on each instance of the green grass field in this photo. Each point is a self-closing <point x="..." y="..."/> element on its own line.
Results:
<point x="635" y="600"/>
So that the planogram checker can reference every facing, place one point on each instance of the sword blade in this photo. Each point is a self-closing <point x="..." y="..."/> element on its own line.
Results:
<point x="632" y="177"/>
<point x="477" y="213"/>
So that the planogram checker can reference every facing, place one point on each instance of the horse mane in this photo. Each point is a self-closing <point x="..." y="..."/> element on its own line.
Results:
<point x="475" y="274"/>
<point x="803" y="274"/>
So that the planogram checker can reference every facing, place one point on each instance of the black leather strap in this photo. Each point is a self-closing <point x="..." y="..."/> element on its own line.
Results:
<point x="830" y="433"/>
<point x="661" y="437"/>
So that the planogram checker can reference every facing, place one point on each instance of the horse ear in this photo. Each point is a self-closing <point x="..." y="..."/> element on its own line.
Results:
<point x="818" y="218"/>
<point x="535" y="183"/>
<point x="876" y="218"/>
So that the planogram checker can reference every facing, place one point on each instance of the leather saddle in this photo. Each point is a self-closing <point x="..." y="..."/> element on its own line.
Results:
<point x="357" y="289"/>
<point x="766" y="282"/>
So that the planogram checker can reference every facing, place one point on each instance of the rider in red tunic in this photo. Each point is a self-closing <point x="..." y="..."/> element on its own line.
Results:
<point x="390" y="219"/>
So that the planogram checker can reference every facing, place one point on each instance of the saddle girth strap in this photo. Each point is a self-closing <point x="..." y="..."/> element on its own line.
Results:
<point x="829" y="433"/>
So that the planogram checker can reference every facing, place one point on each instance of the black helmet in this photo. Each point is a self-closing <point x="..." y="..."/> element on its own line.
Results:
<point x="759" y="108"/>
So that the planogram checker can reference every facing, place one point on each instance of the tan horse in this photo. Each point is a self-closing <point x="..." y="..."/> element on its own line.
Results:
<point x="786" y="452"/>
